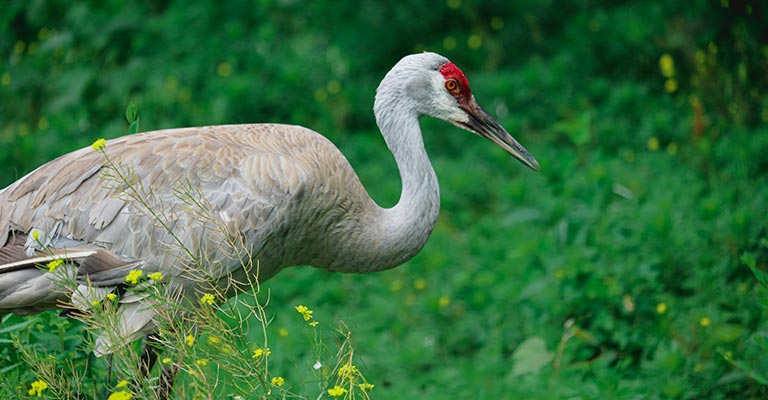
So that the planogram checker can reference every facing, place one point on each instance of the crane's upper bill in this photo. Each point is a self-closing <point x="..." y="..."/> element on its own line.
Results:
<point x="478" y="121"/>
<point x="484" y="125"/>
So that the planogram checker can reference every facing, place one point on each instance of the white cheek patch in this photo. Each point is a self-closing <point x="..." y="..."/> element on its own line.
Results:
<point x="443" y="105"/>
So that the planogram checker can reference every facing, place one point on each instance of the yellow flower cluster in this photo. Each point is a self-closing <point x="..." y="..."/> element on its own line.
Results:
<point x="667" y="67"/>
<point x="122" y="384"/>
<point x="190" y="340"/>
<point x="348" y="371"/>
<point x="133" y="276"/>
<point x="207" y="299"/>
<point x="99" y="144"/>
<point x="261" y="352"/>
<point x="120" y="395"/>
<point x="307" y="314"/>
<point x="337" y="391"/>
<point x="202" y="362"/>
<point x="54" y="264"/>
<point x="278" y="381"/>
<point x="156" y="276"/>
<point x="111" y="296"/>
<point x="37" y="388"/>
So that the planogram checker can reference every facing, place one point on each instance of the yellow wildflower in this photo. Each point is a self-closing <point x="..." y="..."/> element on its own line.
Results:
<point x="337" y="391"/>
<point x="156" y="276"/>
<point x="99" y="144"/>
<point x="653" y="143"/>
<point x="190" y="340"/>
<point x="214" y="340"/>
<point x="667" y="65"/>
<point x="661" y="308"/>
<point x="670" y="85"/>
<point x="111" y="296"/>
<point x="366" y="387"/>
<point x="54" y="264"/>
<point x="166" y="360"/>
<point x="278" y="381"/>
<point x="224" y="69"/>
<point x="207" y="299"/>
<point x="705" y="322"/>
<point x="35" y="234"/>
<point x="261" y="352"/>
<point x="202" y="362"/>
<point x="313" y="324"/>
<point x="347" y="371"/>
<point x="304" y="311"/>
<point x="37" y="387"/>
<point x="121" y="384"/>
<point x="95" y="303"/>
<point x="121" y="395"/>
<point x="672" y="148"/>
<point x="133" y="276"/>
<point x="444" y="301"/>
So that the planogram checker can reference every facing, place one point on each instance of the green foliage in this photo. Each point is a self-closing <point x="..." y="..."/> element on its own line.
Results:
<point x="632" y="266"/>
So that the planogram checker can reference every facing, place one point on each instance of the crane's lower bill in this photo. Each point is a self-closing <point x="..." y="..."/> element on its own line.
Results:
<point x="482" y="124"/>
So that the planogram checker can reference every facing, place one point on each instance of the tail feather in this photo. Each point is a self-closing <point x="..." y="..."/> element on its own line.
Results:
<point x="30" y="290"/>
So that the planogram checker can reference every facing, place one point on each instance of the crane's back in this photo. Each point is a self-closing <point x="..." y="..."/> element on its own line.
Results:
<point x="276" y="184"/>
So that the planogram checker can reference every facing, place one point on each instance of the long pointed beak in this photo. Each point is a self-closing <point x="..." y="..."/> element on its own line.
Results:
<point x="484" y="125"/>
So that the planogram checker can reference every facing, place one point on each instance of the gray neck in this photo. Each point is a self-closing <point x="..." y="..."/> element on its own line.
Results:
<point x="404" y="228"/>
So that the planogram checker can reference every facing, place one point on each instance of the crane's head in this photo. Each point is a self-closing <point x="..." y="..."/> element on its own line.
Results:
<point x="436" y="87"/>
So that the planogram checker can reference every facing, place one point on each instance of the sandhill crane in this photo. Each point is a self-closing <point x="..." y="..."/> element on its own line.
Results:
<point x="288" y="190"/>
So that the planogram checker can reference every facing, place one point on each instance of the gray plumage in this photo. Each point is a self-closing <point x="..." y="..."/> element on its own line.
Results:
<point x="285" y="190"/>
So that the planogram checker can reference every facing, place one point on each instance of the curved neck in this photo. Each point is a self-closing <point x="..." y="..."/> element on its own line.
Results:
<point x="405" y="228"/>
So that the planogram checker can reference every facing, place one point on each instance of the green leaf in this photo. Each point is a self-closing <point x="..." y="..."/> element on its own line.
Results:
<point x="749" y="260"/>
<point x="5" y="370"/>
<point x="131" y="112"/>
<point x="577" y="129"/>
<point x="760" y="341"/>
<point x="16" y="327"/>
<point x="134" y="126"/>
<point x="531" y="356"/>
<point x="728" y="332"/>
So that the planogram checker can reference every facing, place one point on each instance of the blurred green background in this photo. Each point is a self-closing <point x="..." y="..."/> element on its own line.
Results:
<point x="619" y="271"/>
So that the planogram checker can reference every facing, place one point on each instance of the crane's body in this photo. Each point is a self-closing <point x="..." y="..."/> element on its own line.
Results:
<point x="287" y="192"/>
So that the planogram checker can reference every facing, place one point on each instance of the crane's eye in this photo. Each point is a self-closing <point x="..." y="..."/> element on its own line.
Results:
<point x="451" y="85"/>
